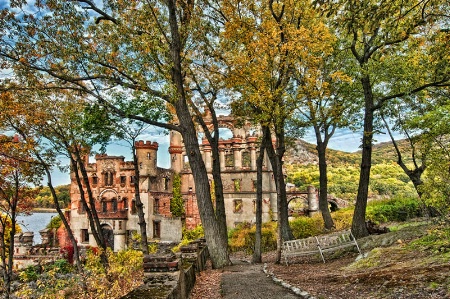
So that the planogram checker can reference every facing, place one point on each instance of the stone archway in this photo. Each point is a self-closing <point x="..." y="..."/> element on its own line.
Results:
<point x="333" y="206"/>
<point x="298" y="205"/>
<point x="108" y="235"/>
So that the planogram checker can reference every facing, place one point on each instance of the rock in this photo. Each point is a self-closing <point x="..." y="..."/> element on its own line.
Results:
<point x="361" y="256"/>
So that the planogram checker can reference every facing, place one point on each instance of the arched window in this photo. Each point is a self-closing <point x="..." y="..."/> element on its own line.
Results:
<point x="108" y="178"/>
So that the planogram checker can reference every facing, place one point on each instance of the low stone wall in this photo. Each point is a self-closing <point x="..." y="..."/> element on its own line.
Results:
<point x="171" y="278"/>
<point x="23" y="261"/>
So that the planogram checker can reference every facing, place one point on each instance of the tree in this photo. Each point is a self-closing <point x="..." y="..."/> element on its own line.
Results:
<point x="264" y="42"/>
<point x="398" y="49"/>
<point x="431" y="136"/>
<point x="24" y="119"/>
<point x="57" y="127"/>
<point x="418" y="156"/>
<point x="17" y="172"/>
<point x="141" y="51"/>
<point x="322" y="93"/>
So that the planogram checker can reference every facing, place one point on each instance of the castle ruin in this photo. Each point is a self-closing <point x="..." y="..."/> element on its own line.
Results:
<point x="112" y="181"/>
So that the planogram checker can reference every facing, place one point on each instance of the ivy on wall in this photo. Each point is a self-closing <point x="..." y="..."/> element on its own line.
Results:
<point x="176" y="202"/>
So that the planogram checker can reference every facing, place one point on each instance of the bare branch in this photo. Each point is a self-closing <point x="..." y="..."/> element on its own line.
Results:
<point x="104" y="15"/>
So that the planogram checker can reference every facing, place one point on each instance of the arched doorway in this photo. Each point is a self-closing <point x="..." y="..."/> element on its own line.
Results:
<point x="108" y="235"/>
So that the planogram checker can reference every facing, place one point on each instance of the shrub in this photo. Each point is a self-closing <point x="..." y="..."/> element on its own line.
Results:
<point x="396" y="209"/>
<point x="303" y="227"/>
<point x="153" y="247"/>
<point x="61" y="266"/>
<point x="55" y="222"/>
<point x="29" y="274"/>
<point x="242" y="238"/>
<point x="124" y="273"/>
<point x="193" y="234"/>
<point x="189" y="235"/>
<point x="343" y="218"/>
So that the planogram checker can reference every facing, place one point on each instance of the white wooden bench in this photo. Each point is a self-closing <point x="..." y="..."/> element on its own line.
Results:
<point x="319" y="245"/>
<point x="299" y="247"/>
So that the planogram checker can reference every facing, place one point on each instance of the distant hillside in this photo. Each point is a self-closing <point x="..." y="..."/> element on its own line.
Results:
<point x="304" y="153"/>
<point x="301" y="152"/>
<point x="387" y="178"/>
<point x="385" y="151"/>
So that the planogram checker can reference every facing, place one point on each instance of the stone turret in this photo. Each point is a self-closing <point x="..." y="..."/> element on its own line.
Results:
<point x="176" y="151"/>
<point x="147" y="154"/>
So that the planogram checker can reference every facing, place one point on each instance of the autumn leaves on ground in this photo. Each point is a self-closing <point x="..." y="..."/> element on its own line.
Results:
<point x="411" y="262"/>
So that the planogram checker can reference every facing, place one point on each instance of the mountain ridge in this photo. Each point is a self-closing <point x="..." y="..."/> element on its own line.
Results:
<point x="304" y="153"/>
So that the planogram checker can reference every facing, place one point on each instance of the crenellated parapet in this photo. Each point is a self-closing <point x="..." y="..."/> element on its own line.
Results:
<point x="141" y="144"/>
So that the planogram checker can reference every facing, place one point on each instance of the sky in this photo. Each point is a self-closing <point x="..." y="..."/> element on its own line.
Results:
<point x="343" y="140"/>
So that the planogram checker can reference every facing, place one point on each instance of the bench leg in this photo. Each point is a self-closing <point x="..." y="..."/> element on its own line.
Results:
<point x="356" y="243"/>
<point x="321" y="254"/>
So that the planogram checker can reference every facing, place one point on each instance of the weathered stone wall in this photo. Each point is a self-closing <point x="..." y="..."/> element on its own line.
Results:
<point x="172" y="284"/>
<point x="171" y="229"/>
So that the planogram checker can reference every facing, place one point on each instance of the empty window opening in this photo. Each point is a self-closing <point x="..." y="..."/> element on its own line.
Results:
<point x="84" y="236"/>
<point x="133" y="206"/>
<point x="238" y="206"/>
<point x="156" y="229"/>
<point x="156" y="206"/>
<point x="114" y="205"/>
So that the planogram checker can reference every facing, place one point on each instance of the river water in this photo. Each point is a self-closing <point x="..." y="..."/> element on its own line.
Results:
<point x="34" y="223"/>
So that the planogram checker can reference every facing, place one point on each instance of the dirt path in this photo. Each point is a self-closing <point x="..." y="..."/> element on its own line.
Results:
<point x="248" y="281"/>
<point x="242" y="280"/>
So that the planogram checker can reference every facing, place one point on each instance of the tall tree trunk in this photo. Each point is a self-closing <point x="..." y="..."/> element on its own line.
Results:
<point x="73" y="241"/>
<point x="323" y="189"/>
<point x="259" y="194"/>
<point x="14" y="199"/>
<point x="9" y="268"/>
<point x="216" y="171"/>
<point x="76" y="253"/>
<point x="94" y="223"/>
<point x="4" y="265"/>
<point x="359" y="228"/>
<point x="215" y="233"/>
<point x="139" y="205"/>
<point x="276" y="160"/>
